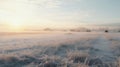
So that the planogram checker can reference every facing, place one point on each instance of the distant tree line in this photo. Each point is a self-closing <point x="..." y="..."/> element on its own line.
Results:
<point x="106" y="30"/>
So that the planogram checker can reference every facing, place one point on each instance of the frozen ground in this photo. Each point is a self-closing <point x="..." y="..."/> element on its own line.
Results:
<point x="60" y="49"/>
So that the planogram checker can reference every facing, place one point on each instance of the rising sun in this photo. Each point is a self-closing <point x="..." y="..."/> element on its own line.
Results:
<point x="16" y="26"/>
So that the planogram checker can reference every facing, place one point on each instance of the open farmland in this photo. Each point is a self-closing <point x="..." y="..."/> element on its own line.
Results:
<point x="60" y="49"/>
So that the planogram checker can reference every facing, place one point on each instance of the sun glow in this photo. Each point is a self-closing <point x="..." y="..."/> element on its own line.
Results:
<point x="16" y="26"/>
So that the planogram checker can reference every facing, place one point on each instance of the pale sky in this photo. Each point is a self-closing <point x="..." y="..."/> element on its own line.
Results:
<point x="58" y="13"/>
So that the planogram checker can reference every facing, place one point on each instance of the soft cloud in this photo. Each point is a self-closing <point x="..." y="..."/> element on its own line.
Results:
<point x="42" y="3"/>
<point x="48" y="3"/>
<point x="44" y="12"/>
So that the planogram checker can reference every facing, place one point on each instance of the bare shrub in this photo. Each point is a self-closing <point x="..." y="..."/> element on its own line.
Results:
<point x="78" y="57"/>
<point x="95" y="62"/>
<point x="106" y="31"/>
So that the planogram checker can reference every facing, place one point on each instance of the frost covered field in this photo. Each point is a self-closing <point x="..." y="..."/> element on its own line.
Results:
<point x="60" y="49"/>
